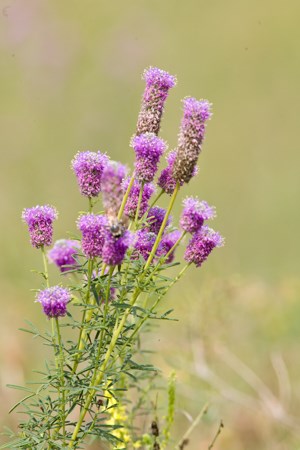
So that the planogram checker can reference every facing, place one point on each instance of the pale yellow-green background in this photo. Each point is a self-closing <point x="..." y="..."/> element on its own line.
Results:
<point x="70" y="79"/>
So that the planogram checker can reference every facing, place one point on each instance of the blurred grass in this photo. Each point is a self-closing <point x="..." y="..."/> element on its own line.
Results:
<point x="70" y="80"/>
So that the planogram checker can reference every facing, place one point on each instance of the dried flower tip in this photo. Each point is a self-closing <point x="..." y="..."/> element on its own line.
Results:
<point x="62" y="254"/>
<point x="195" y="213"/>
<point x="201" y="245"/>
<point x="167" y="242"/>
<point x="114" y="249"/>
<point x="54" y="301"/>
<point x="88" y="168"/>
<point x="40" y="224"/>
<point x="191" y="135"/>
<point x="143" y="244"/>
<point x="148" y="149"/>
<point x="155" y="218"/>
<point x="93" y="229"/>
<point x="158" y="83"/>
<point x="133" y="198"/>
<point x="111" y="184"/>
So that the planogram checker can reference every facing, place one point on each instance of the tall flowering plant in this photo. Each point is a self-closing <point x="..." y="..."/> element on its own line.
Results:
<point x="114" y="280"/>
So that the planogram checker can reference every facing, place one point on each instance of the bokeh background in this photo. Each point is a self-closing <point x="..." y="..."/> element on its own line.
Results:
<point x="70" y="79"/>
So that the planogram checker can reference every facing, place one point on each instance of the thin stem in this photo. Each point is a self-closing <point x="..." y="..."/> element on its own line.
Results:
<point x="181" y="444"/>
<point x="162" y="228"/>
<point x="138" y="206"/>
<point x="62" y="381"/>
<point x="125" y="198"/>
<point x="155" y="200"/>
<point x="85" y="316"/>
<point x="45" y="262"/>
<point x="221" y="426"/>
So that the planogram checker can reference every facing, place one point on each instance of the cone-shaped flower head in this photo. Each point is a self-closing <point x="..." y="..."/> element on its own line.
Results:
<point x="155" y="218"/>
<point x="167" y="242"/>
<point x="93" y="228"/>
<point x="166" y="180"/>
<point x="158" y="84"/>
<point x="88" y="168"/>
<point x="63" y="252"/>
<point x="115" y="248"/>
<point x="112" y="193"/>
<point x="40" y="224"/>
<point x="201" y="245"/>
<point x="143" y="244"/>
<point x="191" y="135"/>
<point x="54" y="301"/>
<point x="148" y="149"/>
<point x="194" y="213"/>
<point x="133" y="198"/>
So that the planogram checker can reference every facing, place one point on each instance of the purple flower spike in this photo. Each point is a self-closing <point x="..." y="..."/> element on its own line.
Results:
<point x="62" y="254"/>
<point x="194" y="214"/>
<point x="201" y="245"/>
<point x="93" y="228"/>
<point x="158" y="83"/>
<point x="88" y="168"/>
<point x="167" y="242"/>
<point x="155" y="218"/>
<point x="54" y="301"/>
<point x="143" y="245"/>
<point x="166" y="180"/>
<point x="114" y="249"/>
<point x="40" y="224"/>
<point x="191" y="135"/>
<point x="148" y="149"/>
<point x="111" y="181"/>
<point x="133" y="198"/>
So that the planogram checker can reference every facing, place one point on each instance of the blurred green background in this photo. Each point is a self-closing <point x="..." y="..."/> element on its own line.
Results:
<point x="70" y="79"/>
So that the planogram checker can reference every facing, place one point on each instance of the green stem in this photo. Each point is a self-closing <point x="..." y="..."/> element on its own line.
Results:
<point x="86" y="316"/>
<point x="62" y="381"/>
<point x="138" y="206"/>
<point x="155" y="200"/>
<point x="162" y="228"/>
<point x="125" y="198"/>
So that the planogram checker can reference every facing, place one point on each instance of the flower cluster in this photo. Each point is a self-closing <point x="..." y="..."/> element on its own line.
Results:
<point x="54" y="301"/>
<point x="88" y="168"/>
<point x="63" y="254"/>
<point x="191" y="135"/>
<point x="158" y="84"/>
<point x="201" y="245"/>
<point x="40" y="224"/>
<point x="148" y="149"/>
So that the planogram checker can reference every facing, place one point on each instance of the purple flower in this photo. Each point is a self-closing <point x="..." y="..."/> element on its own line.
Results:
<point x="194" y="214"/>
<point x="39" y="220"/>
<point x="111" y="181"/>
<point x="158" y="83"/>
<point x="54" y="301"/>
<point x="62" y="254"/>
<point x="201" y="245"/>
<point x="114" y="248"/>
<point x="148" y="149"/>
<point x="133" y="198"/>
<point x="166" y="180"/>
<point x="191" y="135"/>
<point x="143" y="244"/>
<point x="167" y="242"/>
<point x="155" y="218"/>
<point x="88" y="168"/>
<point x="93" y="228"/>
